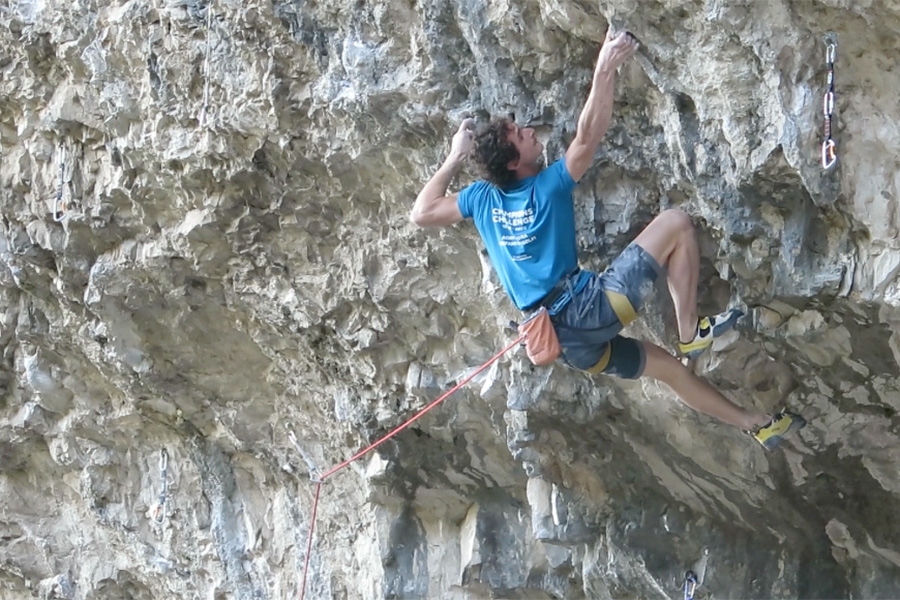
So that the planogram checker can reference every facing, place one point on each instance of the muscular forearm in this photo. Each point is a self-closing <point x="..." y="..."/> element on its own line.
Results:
<point x="597" y="112"/>
<point x="436" y="188"/>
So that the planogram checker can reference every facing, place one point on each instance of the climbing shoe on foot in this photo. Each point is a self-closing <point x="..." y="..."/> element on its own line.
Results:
<point x="708" y="329"/>
<point x="782" y="424"/>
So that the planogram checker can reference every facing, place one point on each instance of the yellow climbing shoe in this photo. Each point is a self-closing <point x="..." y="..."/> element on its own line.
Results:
<point x="708" y="329"/>
<point x="783" y="423"/>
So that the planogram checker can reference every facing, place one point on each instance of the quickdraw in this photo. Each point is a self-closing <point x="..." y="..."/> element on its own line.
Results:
<point x="829" y="148"/>
<point x="60" y="206"/>
<point x="690" y="585"/>
<point x="159" y="511"/>
<point x="203" y="110"/>
<point x="310" y="465"/>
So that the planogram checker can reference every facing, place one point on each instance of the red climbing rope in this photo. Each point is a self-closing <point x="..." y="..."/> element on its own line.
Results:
<point x="371" y="447"/>
<point x="310" y="540"/>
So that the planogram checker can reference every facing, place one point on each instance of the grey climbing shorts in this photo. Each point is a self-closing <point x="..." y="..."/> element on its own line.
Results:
<point x="588" y="327"/>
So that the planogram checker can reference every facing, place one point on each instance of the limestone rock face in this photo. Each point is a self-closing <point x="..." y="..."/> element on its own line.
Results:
<point x="209" y="285"/>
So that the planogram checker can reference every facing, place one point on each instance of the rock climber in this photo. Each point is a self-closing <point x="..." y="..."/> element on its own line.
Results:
<point x="525" y="216"/>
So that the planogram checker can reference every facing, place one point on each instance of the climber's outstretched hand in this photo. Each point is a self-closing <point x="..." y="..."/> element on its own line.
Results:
<point x="617" y="48"/>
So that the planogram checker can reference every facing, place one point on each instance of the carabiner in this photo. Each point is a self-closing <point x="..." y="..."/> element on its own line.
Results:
<point x="163" y="460"/>
<point x="690" y="585"/>
<point x="59" y="214"/>
<point x="829" y="153"/>
<point x="830" y="53"/>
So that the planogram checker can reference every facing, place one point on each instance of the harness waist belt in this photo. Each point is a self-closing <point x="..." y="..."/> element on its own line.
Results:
<point x="554" y="294"/>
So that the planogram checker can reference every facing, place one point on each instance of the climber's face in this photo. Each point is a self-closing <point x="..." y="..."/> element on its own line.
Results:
<point x="530" y="149"/>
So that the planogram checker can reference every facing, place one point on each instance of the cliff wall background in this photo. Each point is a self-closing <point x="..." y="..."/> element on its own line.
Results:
<point x="235" y="270"/>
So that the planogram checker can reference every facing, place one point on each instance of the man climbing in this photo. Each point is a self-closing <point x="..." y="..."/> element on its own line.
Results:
<point x="525" y="215"/>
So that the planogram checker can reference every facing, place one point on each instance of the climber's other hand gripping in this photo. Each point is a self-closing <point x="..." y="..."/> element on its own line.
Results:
<point x="434" y="207"/>
<point x="463" y="140"/>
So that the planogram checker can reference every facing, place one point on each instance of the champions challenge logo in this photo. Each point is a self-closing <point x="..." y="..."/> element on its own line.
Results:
<point x="516" y="223"/>
<point x="513" y="219"/>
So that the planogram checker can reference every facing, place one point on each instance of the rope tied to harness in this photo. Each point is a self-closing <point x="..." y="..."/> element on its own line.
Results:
<point x="829" y="147"/>
<point x="318" y="481"/>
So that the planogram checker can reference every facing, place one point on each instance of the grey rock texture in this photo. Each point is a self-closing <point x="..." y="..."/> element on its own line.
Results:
<point x="233" y="281"/>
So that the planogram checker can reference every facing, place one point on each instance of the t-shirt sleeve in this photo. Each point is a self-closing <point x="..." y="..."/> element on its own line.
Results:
<point x="466" y="201"/>
<point x="557" y="177"/>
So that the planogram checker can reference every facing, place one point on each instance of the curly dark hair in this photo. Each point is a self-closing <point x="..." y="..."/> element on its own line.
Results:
<point x="493" y="152"/>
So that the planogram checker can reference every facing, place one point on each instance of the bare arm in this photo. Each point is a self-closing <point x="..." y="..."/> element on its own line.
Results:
<point x="597" y="112"/>
<point x="433" y="206"/>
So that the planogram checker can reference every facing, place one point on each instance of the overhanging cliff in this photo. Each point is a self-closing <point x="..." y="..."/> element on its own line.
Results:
<point x="233" y="262"/>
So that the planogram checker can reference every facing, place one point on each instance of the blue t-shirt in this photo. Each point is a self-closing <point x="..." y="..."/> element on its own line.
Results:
<point x="528" y="230"/>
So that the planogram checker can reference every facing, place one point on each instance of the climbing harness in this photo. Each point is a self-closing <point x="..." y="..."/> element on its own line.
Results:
<point x="60" y="206"/>
<point x="690" y="585"/>
<point x="159" y="511"/>
<point x="829" y="148"/>
<point x="367" y="449"/>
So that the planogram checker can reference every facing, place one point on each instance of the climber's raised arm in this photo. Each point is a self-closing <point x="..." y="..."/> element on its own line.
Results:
<point x="597" y="112"/>
<point x="433" y="206"/>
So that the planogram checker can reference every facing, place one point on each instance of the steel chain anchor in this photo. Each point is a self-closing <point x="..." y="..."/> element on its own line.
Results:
<point x="829" y="147"/>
